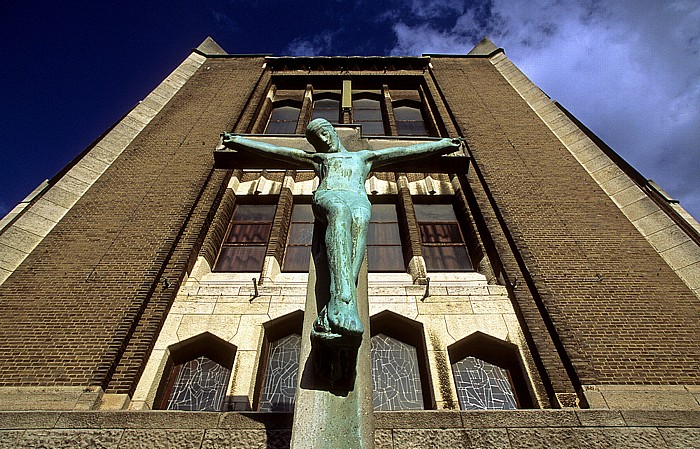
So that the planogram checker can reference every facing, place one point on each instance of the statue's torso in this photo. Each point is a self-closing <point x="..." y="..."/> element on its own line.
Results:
<point x="343" y="171"/>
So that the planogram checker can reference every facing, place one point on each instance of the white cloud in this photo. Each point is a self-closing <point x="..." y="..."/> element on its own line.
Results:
<point x="317" y="45"/>
<point x="629" y="70"/>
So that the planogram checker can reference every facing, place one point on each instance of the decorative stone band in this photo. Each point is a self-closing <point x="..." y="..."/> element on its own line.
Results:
<point x="30" y="221"/>
<point x="504" y="429"/>
<point x="674" y="245"/>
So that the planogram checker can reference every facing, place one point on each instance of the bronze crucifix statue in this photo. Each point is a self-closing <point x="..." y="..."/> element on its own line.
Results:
<point x="341" y="205"/>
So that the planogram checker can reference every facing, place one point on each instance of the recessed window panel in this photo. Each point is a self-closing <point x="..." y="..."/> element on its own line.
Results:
<point x="409" y="121"/>
<point x="301" y="232"/>
<point x="395" y="375"/>
<point x="249" y="232"/>
<point x="384" y="249"/>
<point x="442" y="240"/>
<point x="198" y="385"/>
<point x="440" y="233"/>
<point x="482" y="386"/>
<point x="283" y="120"/>
<point x="254" y="212"/>
<point x="385" y="258"/>
<point x="326" y="108"/>
<point x="373" y="128"/>
<point x="246" y="239"/>
<point x="446" y="258"/>
<point x="407" y="113"/>
<point x="279" y="388"/>
<point x="435" y="212"/>
<point x="241" y="259"/>
<point x="383" y="234"/>
<point x="296" y="259"/>
<point x="368" y="113"/>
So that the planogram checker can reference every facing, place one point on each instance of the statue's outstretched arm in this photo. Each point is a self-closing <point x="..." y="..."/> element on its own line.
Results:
<point x="394" y="154"/>
<point x="235" y="142"/>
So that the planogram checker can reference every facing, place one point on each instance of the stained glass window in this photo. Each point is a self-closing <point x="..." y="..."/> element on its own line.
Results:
<point x="197" y="385"/>
<point x="279" y="387"/>
<point x="482" y="386"/>
<point x="395" y="375"/>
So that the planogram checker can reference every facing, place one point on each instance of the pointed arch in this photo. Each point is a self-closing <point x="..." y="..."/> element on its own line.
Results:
<point x="395" y="334"/>
<point x="197" y="374"/>
<point x="503" y="366"/>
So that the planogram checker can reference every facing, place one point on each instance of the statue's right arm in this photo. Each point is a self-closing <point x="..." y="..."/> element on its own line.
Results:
<point x="235" y="142"/>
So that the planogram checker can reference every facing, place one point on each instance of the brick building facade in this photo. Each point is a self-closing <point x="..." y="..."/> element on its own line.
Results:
<point x="542" y="273"/>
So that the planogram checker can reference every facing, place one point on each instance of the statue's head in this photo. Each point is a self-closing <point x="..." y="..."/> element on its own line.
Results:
<point x="321" y="134"/>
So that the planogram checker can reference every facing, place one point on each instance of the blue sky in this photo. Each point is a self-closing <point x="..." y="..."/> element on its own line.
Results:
<point x="629" y="70"/>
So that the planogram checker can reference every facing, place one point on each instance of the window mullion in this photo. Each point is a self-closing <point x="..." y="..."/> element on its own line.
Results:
<point x="388" y="111"/>
<point x="306" y="109"/>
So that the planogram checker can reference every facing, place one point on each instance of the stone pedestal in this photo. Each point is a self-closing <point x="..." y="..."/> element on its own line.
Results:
<point x="337" y="415"/>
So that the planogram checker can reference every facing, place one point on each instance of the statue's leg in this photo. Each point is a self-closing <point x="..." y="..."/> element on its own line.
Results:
<point x="361" y="213"/>
<point x="341" y="311"/>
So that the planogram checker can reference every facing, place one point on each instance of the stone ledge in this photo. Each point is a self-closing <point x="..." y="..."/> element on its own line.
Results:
<point x="431" y="419"/>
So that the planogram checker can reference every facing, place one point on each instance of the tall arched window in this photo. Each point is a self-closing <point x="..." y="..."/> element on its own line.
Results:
<point x="488" y="374"/>
<point x="368" y="113"/>
<point x="197" y="375"/>
<point x="279" y="367"/>
<point x="409" y="119"/>
<point x="399" y="364"/>
<point x="328" y="108"/>
<point x="283" y="119"/>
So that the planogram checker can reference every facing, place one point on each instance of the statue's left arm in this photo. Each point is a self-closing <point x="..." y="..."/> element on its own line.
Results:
<point x="394" y="154"/>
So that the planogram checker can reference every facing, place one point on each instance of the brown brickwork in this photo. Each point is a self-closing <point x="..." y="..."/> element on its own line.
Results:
<point x="618" y="311"/>
<point x="89" y="300"/>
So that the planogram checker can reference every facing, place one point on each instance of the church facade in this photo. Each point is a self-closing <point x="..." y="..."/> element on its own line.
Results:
<point x="535" y="290"/>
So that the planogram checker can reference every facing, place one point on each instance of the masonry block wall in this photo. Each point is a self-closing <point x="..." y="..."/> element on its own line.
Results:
<point x="617" y="312"/>
<point x="596" y="302"/>
<point x="85" y="306"/>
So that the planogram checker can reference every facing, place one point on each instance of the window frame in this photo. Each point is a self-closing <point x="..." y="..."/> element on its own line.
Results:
<point x="393" y="201"/>
<point x="273" y="201"/>
<point x="298" y="200"/>
<point x="274" y="330"/>
<point x="421" y="200"/>
<point x="201" y="345"/>
<point x="500" y="353"/>
<point x="312" y="88"/>
<point x="276" y="105"/>
<point x="409" y="332"/>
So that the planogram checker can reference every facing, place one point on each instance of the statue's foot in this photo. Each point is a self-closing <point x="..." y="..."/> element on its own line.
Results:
<point x="344" y="319"/>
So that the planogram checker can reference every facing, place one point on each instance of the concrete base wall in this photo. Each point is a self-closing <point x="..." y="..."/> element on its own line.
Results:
<point x="393" y="430"/>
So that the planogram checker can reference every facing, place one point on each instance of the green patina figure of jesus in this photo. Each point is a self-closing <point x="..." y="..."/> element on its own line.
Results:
<point x="341" y="204"/>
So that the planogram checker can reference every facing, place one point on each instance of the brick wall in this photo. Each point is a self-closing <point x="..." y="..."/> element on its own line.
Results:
<point x="88" y="302"/>
<point x="618" y="312"/>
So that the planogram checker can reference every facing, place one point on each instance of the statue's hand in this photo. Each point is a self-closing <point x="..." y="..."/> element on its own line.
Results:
<point x="227" y="139"/>
<point x="456" y="142"/>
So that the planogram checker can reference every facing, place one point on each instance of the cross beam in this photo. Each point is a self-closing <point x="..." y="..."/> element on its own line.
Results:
<point x="457" y="162"/>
